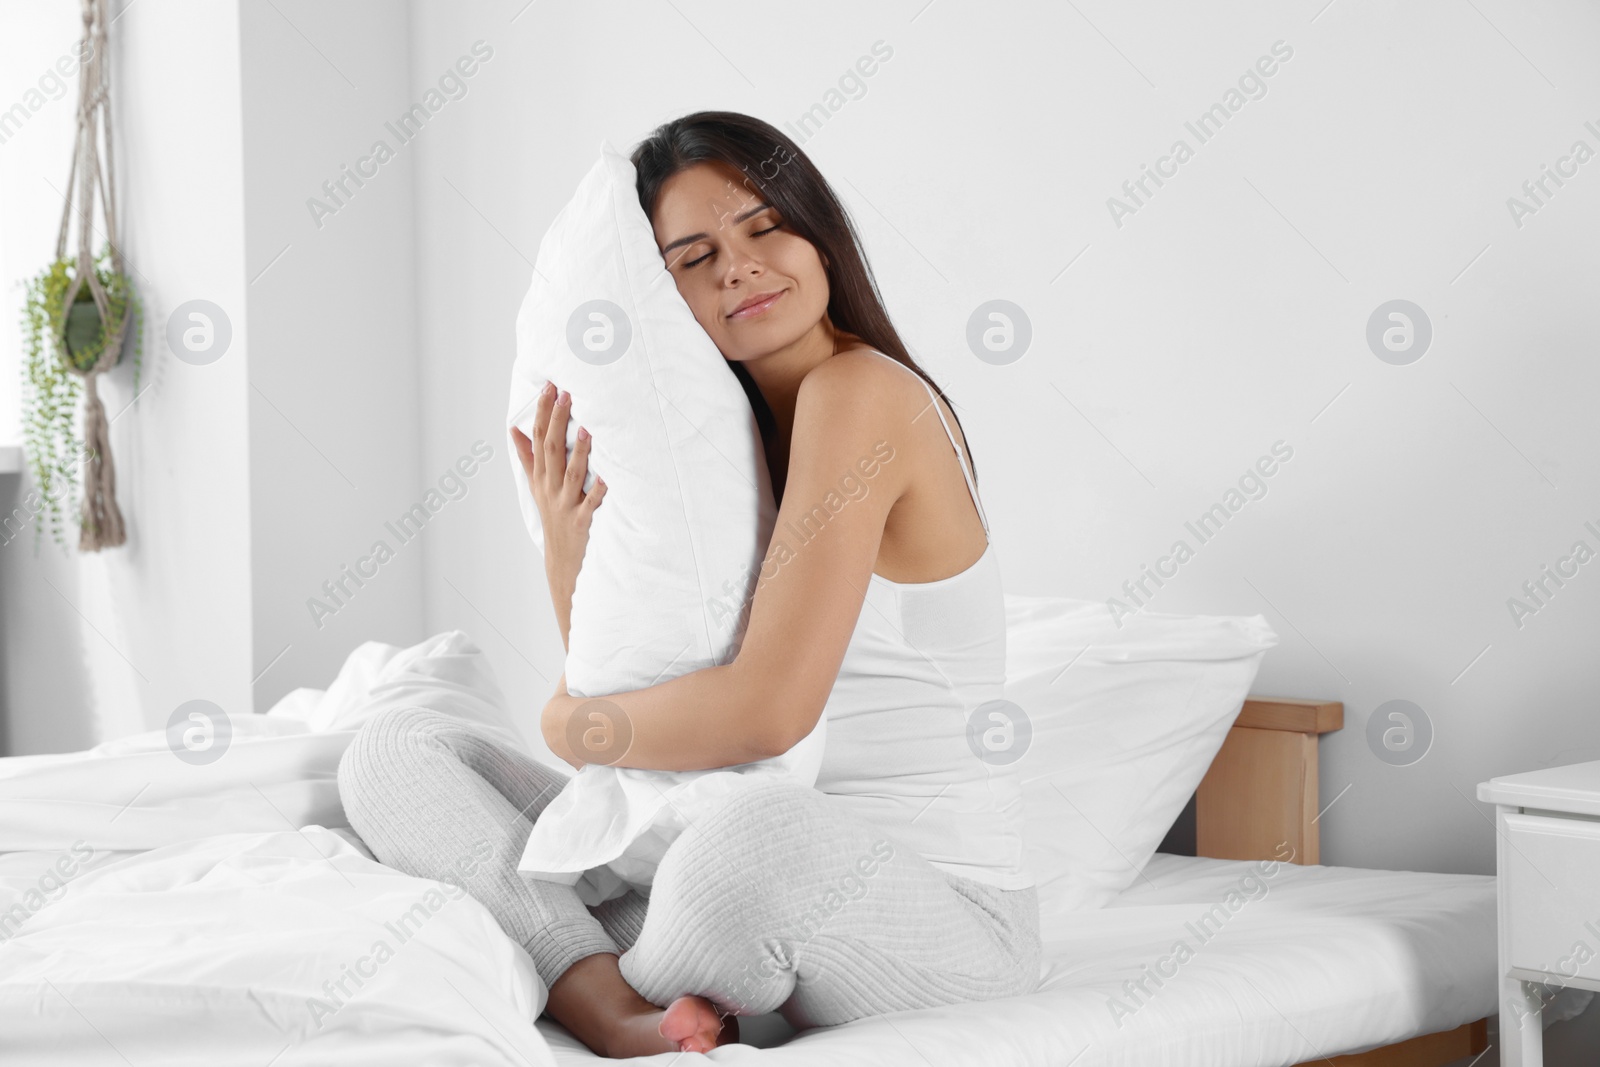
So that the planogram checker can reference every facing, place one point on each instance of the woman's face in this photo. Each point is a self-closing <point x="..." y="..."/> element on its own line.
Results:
<point x="725" y="247"/>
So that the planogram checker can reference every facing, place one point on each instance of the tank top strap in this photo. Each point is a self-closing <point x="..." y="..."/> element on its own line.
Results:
<point x="961" y="458"/>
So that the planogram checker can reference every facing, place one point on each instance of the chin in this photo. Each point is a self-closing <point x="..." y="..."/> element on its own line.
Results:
<point x="753" y="344"/>
<point x="768" y="335"/>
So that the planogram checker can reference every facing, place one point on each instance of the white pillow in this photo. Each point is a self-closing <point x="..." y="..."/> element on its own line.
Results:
<point x="674" y="552"/>
<point x="1125" y="722"/>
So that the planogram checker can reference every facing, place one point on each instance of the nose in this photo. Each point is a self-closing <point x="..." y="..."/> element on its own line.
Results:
<point x="743" y="264"/>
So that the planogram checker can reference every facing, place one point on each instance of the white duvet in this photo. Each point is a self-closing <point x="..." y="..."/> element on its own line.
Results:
<point x="156" y="912"/>
<point x="286" y="947"/>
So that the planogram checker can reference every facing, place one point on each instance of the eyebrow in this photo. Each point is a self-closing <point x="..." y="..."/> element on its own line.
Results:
<point x="702" y="235"/>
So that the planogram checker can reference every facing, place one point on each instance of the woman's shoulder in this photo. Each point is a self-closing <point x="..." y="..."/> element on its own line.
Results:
<point x="864" y="373"/>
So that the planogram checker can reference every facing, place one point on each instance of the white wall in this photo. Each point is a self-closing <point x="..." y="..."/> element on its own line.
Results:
<point x="247" y="483"/>
<point x="489" y="175"/>
<point x="45" y="698"/>
<point x="103" y="645"/>
<point x="334" y="420"/>
<point x="1222" y="317"/>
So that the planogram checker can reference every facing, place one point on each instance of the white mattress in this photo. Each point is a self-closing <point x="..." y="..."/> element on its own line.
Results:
<point x="1329" y="960"/>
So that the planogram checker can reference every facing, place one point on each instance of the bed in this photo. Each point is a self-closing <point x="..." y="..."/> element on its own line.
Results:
<point x="224" y="918"/>
<point x="1314" y="964"/>
<point x="1332" y="959"/>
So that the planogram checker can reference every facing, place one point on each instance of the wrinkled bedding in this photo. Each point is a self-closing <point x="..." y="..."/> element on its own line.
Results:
<point x="157" y="912"/>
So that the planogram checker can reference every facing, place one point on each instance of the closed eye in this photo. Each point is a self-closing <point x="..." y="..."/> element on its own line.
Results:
<point x="758" y="233"/>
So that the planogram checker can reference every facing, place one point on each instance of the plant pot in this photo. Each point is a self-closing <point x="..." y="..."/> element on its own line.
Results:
<point x="62" y="344"/>
<point x="83" y="331"/>
<point x="79" y="332"/>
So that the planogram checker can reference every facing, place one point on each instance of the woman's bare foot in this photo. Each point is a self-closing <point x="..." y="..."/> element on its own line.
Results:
<point x="696" y="1025"/>
<point x="594" y="1002"/>
<point x="688" y="1024"/>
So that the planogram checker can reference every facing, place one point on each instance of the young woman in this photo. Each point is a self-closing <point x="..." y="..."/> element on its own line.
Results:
<point x="899" y="881"/>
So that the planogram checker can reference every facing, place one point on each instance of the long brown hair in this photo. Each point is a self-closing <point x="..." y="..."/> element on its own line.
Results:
<point x="786" y="179"/>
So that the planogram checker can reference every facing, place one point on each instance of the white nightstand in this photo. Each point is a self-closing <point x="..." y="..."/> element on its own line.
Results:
<point x="1548" y="861"/>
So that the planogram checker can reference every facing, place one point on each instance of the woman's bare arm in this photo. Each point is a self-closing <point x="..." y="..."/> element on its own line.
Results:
<point x="852" y="418"/>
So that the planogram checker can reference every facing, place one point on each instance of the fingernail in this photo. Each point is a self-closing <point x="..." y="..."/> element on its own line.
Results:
<point x="564" y="397"/>
<point x="549" y="388"/>
<point x="583" y="435"/>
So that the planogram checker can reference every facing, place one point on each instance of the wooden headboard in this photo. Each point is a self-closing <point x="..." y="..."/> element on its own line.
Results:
<point x="1260" y="794"/>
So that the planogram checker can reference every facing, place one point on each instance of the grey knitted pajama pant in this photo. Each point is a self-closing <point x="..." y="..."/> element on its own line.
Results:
<point x="777" y="900"/>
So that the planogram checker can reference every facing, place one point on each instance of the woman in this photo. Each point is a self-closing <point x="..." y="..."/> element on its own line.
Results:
<point x="899" y="881"/>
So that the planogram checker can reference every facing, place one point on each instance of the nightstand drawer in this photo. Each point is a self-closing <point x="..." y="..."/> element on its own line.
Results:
<point x="1552" y="888"/>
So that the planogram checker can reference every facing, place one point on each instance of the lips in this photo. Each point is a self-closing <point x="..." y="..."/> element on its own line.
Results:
<point x="757" y="304"/>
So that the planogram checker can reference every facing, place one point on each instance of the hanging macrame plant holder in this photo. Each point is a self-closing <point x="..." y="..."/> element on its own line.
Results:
<point x="87" y="318"/>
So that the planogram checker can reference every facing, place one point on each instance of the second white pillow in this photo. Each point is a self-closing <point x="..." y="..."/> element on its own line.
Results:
<point x="1125" y="722"/>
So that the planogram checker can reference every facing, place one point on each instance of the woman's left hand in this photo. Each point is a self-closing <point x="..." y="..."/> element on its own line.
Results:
<point x="556" y="483"/>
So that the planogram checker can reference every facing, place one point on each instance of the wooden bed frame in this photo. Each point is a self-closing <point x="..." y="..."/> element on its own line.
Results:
<point x="1260" y="793"/>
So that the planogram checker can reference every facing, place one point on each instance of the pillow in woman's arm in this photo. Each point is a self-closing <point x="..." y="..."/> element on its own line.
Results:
<point x="674" y="553"/>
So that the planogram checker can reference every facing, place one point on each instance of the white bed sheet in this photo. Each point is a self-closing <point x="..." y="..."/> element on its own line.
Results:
<point x="1327" y="960"/>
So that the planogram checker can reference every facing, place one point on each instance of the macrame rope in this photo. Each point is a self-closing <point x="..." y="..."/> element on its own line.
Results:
<point x="101" y="525"/>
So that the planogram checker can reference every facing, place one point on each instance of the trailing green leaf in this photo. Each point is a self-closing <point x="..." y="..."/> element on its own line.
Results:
<point x="51" y="389"/>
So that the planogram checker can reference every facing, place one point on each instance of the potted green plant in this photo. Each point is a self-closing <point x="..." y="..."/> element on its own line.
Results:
<point x="61" y="345"/>
<point x="75" y="323"/>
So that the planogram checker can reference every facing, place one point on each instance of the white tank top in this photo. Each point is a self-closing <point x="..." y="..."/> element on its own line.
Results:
<point x="923" y="658"/>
